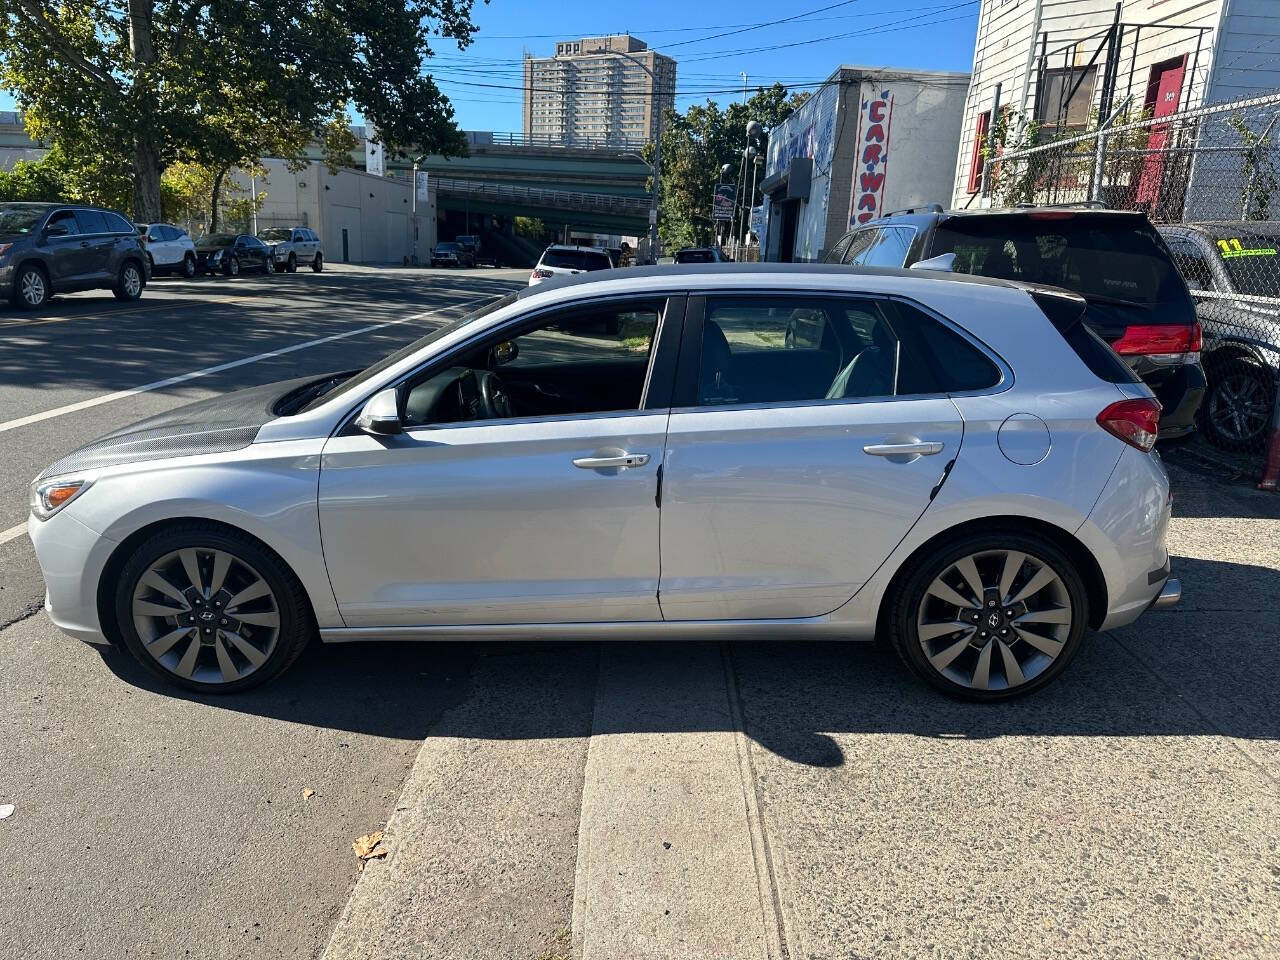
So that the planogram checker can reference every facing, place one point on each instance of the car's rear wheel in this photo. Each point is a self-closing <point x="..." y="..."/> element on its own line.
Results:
<point x="188" y="266"/>
<point x="211" y="609"/>
<point x="293" y="263"/>
<point x="30" y="288"/>
<point x="130" y="282"/>
<point x="318" y="263"/>
<point x="990" y="616"/>
<point x="1236" y="411"/>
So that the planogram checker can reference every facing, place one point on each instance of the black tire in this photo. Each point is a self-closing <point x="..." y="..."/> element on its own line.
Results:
<point x="910" y="592"/>
<point x="232" y="267"/>
<point x="1247" y="386"/>
<point x="131" y="281"/>
<point x="293" y="263"/>
<point x="318" y="263"/>
<point x="297" y="624"/>
<point x="188" y="266"/>
<point x="31" y="289"/>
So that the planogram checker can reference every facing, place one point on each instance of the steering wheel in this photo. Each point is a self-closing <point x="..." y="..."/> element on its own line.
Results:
<point x="493" y="395"/>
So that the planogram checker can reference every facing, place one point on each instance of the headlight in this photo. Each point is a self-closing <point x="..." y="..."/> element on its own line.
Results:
<point x="49" y="497"/>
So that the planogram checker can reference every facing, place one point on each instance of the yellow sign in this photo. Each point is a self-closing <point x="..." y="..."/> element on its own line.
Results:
<point x="1232" y="247"/>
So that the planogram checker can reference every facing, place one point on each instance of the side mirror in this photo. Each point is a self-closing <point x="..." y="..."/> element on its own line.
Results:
<point x="56" y="230"/>
<point x="943" y="264"/>
<point x="381" y="414"/>
<point x="505" y="352"/>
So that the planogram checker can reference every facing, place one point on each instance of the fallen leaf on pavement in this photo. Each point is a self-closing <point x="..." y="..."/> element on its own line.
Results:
<point x="6" y="810"/>
<point x="369" y="846"/>
<point x="307" y="793"/>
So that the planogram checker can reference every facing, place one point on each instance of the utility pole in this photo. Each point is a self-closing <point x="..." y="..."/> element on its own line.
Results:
<point x="414" y="208"/>
<point x="657" y="150"/>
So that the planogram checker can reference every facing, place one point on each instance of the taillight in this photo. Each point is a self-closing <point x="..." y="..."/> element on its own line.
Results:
<point x="1136" y="422"/>
<point x="1166" y="340"/>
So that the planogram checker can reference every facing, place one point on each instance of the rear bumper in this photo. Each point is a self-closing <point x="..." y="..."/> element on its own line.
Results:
<point x="1180" y="388"/>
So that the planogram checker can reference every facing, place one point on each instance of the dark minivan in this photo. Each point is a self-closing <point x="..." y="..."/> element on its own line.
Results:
<point x="1135" y="298"/>
<point x="48" y="248"/>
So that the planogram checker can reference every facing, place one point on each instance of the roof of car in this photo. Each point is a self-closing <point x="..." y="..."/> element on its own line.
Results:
<point x="742" y="273"/>
<point x="1225" y="228"/>
<point x="576" y="247"/>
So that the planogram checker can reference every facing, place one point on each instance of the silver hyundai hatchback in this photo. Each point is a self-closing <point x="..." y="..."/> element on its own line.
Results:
<point x="703" y="452"/>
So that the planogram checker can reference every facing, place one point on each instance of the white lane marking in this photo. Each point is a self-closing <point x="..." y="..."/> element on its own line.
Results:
<point x="184" y="377"/>
<point x="13" y="533"/>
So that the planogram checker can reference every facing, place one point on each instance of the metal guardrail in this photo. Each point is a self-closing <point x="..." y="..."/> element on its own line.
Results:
<point x="561" y="199"/>
<point x="493" y="138"/>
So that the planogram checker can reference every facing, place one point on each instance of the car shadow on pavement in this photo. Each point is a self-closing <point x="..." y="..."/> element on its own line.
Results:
<point x="1205" y="668"/>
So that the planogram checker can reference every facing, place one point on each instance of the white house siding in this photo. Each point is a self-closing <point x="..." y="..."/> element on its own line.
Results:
<point x="1008" y="44"/>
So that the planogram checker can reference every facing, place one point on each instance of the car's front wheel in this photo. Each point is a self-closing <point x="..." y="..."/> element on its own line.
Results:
<point x="293" y="263"/>
<point x="130" y="282"/>
<point x="211" y="609"/>
<point x="188" y="266"/>
<point x="30" y="288"/>
<point x="990" y="616"/>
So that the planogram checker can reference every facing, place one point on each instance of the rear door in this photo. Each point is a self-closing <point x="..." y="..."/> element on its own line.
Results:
<point x="795" y="465"/>
<point x="97" y="240"/>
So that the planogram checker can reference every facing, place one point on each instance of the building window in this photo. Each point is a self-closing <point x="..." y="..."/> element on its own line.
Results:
<point x="978" y="161"/>
<point x="1054" y="111"/>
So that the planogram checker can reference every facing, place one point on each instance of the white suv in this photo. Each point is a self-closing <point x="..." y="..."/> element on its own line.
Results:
<point x="293" y="245"/>
<point x="561" y="259"/>
<point x="168" y="248"/>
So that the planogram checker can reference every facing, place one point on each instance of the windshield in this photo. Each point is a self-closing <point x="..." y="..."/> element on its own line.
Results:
<point x="20" y="218"/>
<point x="575" y="260"/>
<point x="1120" y="261"/>
<point x="216" y="240"/>
<point x="274" y="235"/>
<point x="1251" y="261"/>
<point x="368" y="373"/>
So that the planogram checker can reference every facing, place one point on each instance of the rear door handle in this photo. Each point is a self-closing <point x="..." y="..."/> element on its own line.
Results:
<point x="916" y="448"/>
<point x="620" y="460"/>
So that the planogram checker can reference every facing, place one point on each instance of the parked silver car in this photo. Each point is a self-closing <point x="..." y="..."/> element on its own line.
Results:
<point x="959" y="462"/>
<point x="291" y="246"/>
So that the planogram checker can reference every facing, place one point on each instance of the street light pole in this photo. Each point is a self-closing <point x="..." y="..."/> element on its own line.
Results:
<point x="414" y="206"/>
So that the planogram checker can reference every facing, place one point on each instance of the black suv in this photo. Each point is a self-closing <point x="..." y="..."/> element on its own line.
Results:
<point x="1233" y="270"/>
<point x="48" y="248"/>
<point x="1114" y="259"/>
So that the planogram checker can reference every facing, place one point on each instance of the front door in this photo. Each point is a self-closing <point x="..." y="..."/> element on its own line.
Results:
<point x="816" y="431"/>
<point x="70" y="257"/>
<point x="524" y="487"/>
<point x="1164" y="94"/>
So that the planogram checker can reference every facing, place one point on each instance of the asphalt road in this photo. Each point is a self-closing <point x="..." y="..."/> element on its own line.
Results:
<point x="149" y="824"/>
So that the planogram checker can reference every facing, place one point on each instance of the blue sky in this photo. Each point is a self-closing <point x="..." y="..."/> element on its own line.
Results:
<point x="713" y="42"/>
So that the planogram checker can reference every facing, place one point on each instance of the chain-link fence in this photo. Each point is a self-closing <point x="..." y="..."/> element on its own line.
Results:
<point x="1209" y="178"/>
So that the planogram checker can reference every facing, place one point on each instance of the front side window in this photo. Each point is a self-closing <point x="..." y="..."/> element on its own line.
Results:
<point x="65" y="219"/>
<point x="583" y="361"/>
<point x="759" y="350"/>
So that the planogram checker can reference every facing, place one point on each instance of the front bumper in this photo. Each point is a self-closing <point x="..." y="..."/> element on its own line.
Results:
<point x="72" y="558"/>
<point x="6" y="280"/>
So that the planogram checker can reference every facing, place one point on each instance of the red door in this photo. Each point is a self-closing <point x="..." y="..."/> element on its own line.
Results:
<point x="1164" y="94"/>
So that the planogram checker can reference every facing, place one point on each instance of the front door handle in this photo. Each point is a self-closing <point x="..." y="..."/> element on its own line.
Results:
<point x="916" y="448"/>
<point x="620" y="460"/>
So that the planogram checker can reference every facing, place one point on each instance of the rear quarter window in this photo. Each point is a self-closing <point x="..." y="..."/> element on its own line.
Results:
<point x="1067" y="316"/>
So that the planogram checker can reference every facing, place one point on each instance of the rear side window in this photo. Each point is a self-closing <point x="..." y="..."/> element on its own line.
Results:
<point x="1118" y="262"/>
<point x="890" y="248"/>
<point x="118" y="224"/>
<point x="1067" y="316"/>
<point x="91" y="221"/>
<point x="776" y="350"/>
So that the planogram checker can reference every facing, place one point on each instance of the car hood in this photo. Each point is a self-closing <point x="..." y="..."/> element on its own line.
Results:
<point x="217" y="425"/>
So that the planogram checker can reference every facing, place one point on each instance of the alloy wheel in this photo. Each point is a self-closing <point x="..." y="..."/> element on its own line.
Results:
<point x="188" y="266"/>
<point x="994" y="620"/>
<point x="1239" y="407"/>
<point x="32" y="288"/>
<point x="206" y="615"/>
<point x="131" y="281"/>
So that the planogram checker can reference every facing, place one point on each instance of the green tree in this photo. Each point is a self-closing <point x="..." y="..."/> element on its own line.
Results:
<point x="695" y="145"/>
<point x="60" y="177"/>
<point x="142" y="84"/>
